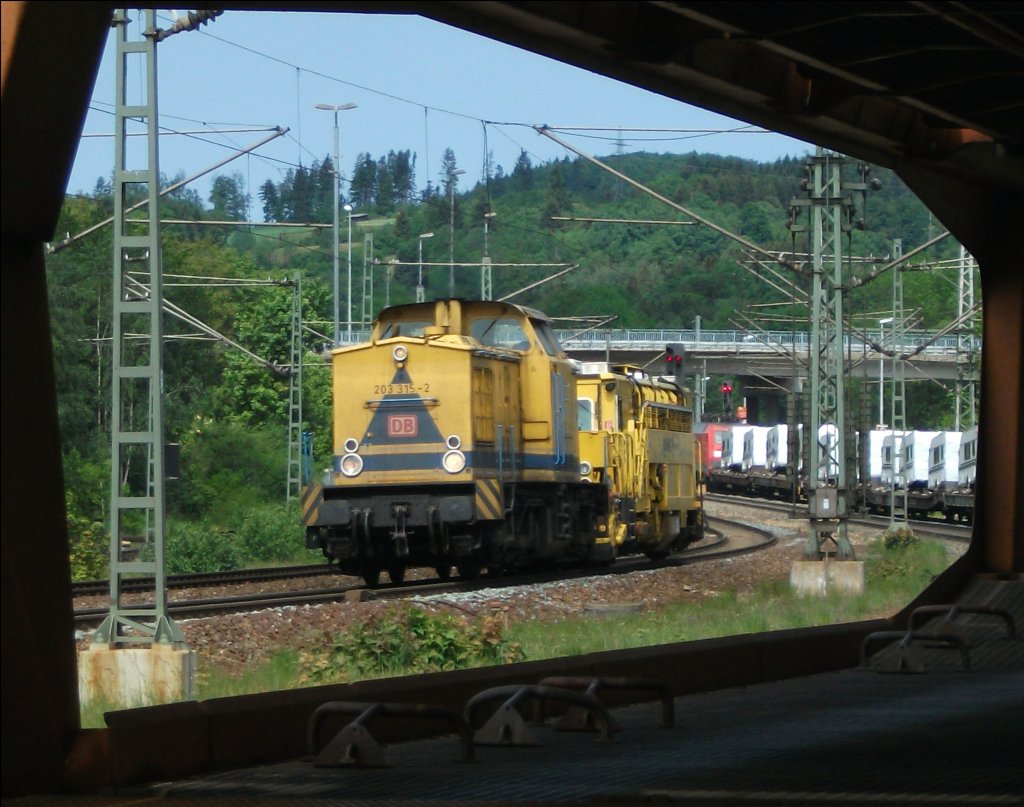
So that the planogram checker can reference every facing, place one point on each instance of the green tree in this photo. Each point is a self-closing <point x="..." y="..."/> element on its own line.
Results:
<point x="228" y="199"/>
<point x="271" y="198"/>
<point x="522" y="174"/>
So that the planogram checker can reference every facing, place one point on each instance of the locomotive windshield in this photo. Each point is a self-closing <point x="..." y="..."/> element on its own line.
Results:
<point x="547" y="337"/>
<point x="500" y="332"/>
<point x="404" y="328"/>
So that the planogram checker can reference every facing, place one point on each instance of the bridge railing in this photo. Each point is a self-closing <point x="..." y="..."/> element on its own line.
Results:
<point x="655" y="339"/>
<point x="740" y="341"/>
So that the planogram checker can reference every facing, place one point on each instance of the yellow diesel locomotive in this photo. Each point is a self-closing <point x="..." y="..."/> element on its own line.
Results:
<point x="456" y="443"/>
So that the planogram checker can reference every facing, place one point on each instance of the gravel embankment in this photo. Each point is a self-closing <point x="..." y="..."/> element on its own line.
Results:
<point x="232" y="642"/>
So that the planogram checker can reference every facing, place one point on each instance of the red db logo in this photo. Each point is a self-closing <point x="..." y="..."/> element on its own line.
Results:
<point x="402" y="425"/>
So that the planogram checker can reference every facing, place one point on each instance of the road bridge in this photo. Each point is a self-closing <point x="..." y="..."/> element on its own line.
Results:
<point x="769" y="354"/>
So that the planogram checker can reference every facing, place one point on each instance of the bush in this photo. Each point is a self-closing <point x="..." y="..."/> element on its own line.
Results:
<point x="90" y="544"/>
<point x="194" y="548"/>
<point x="405" y="639"/>
<point x="272" y="532"/>
<point x="899" y="538"/>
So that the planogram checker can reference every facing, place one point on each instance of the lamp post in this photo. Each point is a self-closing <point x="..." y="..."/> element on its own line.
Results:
<point x="881" y="370"/>
<point x="420" y="296"/>
<point x="451" y="238"/>
<point x="336" y="108"/>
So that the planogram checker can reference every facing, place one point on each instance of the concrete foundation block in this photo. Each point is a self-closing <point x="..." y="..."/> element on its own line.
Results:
<point x="130" y="677"/>
<point x="819" y="578"/>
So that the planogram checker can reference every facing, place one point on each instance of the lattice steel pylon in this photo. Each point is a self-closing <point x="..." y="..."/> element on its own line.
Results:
<point x="831" y="211"/>
<point x="368" y="314"/>
<point x="966" y="347"/>
<point x="137" y="431"/>
<point x="898" y="497"/>
<point x="295" y="395"/>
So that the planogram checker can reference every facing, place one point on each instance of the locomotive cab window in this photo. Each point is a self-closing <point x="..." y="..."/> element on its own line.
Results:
<point x="404" y="328"/>
<point x="504" y="332"/>
<point x="547" y="337"/>
<point x="585" y="415"/>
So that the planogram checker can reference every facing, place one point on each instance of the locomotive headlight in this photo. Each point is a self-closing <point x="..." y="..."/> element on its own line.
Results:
<point x="585" y="468"/>
<point x="454" y="461"/>
<point x="400" y="353"/>
<point x="351" y="465"/>
<point x="351" y="445"/>
<point x="454" y="442"/>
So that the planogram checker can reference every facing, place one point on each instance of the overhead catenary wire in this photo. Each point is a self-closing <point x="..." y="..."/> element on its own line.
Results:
<point x="53" y="248"/>
<point x="141" y="288"/>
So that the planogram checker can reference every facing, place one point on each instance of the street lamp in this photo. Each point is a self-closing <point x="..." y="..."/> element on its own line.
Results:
<point x="451" y="237"/>
<point x="336" y="108"/>
<point x="420" y="296"/>
<point x="881" y="370"/>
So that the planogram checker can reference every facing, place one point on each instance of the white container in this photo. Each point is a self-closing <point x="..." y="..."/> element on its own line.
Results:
<point x="777" y="446"/>
<point x="875" y="439"/>
<point x="968" y="457"/>
<point x="944" y="460"/>
<point x="891" y="446"/>
<point x="755" y="447"/>
<point x="732" y="445"/>
<point x="914" y="456"/>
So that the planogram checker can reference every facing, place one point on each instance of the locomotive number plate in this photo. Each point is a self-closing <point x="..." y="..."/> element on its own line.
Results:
<point x="402" y="425"/>
<point x="399" y="389"/>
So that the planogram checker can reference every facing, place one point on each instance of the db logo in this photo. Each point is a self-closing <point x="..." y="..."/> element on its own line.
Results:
<point x="402" y="425"/>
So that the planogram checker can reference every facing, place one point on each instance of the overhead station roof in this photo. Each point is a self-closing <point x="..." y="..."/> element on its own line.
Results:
<point x="937" y="82"/>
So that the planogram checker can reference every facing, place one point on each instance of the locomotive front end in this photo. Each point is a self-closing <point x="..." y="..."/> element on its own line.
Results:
<point x="402" y="490"/>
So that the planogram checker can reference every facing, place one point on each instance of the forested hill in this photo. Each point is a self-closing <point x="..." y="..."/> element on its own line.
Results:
<point x="643" y="265"/>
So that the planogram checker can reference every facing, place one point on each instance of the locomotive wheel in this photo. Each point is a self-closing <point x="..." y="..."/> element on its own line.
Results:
<point x="396" y="573"/>
<point x="370" y="572"/>
<point x="444" y="572"/>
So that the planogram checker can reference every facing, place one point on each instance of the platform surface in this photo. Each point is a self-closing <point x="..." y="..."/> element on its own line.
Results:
<point x="949" y="735"/>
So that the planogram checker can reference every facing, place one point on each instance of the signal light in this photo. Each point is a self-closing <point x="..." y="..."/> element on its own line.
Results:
<point x="727" y="396"/>
<point x="674" y="357"/>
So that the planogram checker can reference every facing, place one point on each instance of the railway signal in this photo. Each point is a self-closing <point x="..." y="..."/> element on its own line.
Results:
<point x="674" y="360"/>
<point x="727" y="396"/>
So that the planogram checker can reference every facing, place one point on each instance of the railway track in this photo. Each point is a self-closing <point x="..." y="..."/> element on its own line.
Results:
<point x="717" y="544"/>
<point x="85" y="588"/>
<point x="957" y="533"/>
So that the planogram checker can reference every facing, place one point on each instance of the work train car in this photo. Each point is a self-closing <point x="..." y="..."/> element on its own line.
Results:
<point x="456" y="443"/>
<point x="636" y="439"/>
<point x="935" y="469"/>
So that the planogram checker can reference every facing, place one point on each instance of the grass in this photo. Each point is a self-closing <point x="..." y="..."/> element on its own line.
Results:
<point x="894" y="576"/>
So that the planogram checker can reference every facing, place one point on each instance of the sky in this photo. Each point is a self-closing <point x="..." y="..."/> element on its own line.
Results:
<point x="418" y="85"/>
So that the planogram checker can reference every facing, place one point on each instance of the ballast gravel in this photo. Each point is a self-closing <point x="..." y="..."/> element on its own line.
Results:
<point x="236" y="641"/>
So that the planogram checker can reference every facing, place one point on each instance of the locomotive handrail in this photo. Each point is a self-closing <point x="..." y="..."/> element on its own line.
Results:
<point x="380" y="403"/>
